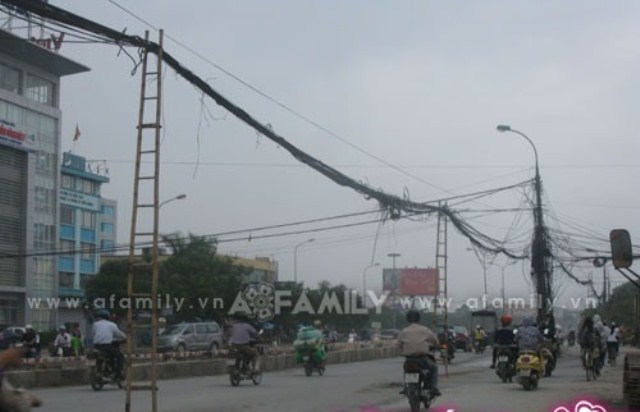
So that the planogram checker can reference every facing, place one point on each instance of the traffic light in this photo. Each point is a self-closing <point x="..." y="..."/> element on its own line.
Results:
<point x="621" y="251"/>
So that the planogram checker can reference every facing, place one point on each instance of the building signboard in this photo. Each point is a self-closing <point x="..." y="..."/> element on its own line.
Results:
<point x="81" y="200"/>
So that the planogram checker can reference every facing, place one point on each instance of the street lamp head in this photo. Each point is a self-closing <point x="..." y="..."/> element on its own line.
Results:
<point x="503" y="128"/>
<point x="394" y="254"/>
<point x="181" y="196"/>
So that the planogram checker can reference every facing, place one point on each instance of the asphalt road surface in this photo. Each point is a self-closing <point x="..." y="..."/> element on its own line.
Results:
<point x="370" y="386"/>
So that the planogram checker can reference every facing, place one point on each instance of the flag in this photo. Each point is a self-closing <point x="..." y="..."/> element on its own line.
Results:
<point x="77" y="134"/>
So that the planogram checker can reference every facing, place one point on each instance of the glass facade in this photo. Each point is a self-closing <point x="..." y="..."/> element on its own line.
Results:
<point x="41" y="137"/>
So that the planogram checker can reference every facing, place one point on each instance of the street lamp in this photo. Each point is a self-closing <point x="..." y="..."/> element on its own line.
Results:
<point x="395" y="284"/>
<point x="364" y="280"/>
<point x="502" y="268"/>
<point x="539" y="247"/>
<point x="295" y="258"/>
<point x="179" y="197"/>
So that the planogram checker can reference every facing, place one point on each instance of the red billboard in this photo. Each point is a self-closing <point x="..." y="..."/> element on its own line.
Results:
<point x="411" y="281"/>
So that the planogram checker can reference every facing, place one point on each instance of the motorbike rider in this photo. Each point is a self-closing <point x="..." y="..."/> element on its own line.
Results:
<point x="419" y="341"/>
<point x="588" y="338"/>
<point x="63" y="341"/>
<point x="503" y="336"/>
<point x="479" y="336"/>
<point x="529" y="336"/>
<point x="105" y="333"/>
<point x="241" y="335"/>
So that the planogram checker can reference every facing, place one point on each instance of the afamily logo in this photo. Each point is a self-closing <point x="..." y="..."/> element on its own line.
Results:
<point x="259" y="299"/>
<point x="583" y="405"/>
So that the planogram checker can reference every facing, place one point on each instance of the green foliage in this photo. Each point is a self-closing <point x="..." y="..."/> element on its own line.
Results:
<point x="193" y="275"/>
<point x="621" y="306"/>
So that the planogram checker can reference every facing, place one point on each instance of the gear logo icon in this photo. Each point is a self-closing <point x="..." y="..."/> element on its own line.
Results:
<point x="260" y="299"/>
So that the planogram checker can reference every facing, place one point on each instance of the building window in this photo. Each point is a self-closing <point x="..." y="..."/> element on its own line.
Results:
<point x="45" y="200"/>
<point x="68" y="182"/>
<point x="9" y="79"/>
<point x="88" y="219"/>
<point x="107" y="246"/>
<point x="66" y="280"/>
<point x="67" y="216"/>
<point x="88" y="250"/>
<point x="67" y="246"/>
<point x="9" y="311"/>
<point x="89" y="187"/>
<point x="39" y="90"/>
<point x="108" y="211"/>
<point x="107" y="228"/>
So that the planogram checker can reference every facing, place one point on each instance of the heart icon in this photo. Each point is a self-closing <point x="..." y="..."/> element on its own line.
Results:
<point x="561" y="409"/>
<point x="585" y="406"/>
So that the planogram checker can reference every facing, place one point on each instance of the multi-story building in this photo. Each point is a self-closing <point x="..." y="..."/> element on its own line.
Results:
<point x="30" y="127"/>
<point x="87" y="222"/>
<point x="109" y="227"/>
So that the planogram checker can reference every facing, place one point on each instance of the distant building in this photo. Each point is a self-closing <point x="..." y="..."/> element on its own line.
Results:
<point x="109" y="227"/>
<point x="84" y="229"/>
<point x="30" y="120"/>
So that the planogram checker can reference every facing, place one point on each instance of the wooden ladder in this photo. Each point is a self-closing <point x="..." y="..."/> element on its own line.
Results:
<point x="145" y="217"/>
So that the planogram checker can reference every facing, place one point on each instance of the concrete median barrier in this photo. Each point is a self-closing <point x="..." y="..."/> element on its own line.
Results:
<point x="77" y="373"/>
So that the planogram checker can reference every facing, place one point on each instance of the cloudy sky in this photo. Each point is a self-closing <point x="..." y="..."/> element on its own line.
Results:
<point x="420" y="85"/>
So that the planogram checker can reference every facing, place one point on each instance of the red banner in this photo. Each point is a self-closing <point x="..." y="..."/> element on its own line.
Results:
<point x="418" y="282"/>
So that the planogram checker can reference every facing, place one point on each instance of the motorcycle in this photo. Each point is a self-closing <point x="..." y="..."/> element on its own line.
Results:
<point x="549" y="361"/>
<point x="103" y="371"/>
<point x="479" y="346"/>
<point x="506" y="367"/>
<point x="447" y="352"/>
<point x="416" y="383"/>
<point x="529" y="367"/>
<point x="239" y="366"/>
<point x="313" y="364"/>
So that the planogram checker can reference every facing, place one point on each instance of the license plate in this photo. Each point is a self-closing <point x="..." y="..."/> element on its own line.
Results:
<point x="525" y="372"/>
<point x="411" y="377"/>
<point x="503" y="359"/>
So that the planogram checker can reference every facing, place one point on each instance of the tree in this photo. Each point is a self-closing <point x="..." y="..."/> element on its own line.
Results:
<point x="109" y="286"/>
<point x="621" y="305"/>
<point x="197" y="279"/>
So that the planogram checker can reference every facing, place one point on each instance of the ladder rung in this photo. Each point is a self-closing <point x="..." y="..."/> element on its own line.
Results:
<point x="142" y="265"/>
<point x="146" y="178"/>
<point x="152" y="73"/>
<point x="151" y="98"/>
<point x="149" y="126"/>
<point x="148" y="151"/>
<point x="144" y="234"/>
<point x="144" y="205"/>
<point x="141" y="295"/>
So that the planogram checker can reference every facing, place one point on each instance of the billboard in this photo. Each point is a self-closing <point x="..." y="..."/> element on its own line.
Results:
<point x="411" y="281"/>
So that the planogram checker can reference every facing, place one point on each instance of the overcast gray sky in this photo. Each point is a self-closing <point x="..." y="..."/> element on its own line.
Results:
<point x="420" y="84"/>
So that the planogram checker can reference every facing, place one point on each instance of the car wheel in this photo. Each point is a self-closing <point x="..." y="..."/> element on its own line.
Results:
<point x="213" y="349"/>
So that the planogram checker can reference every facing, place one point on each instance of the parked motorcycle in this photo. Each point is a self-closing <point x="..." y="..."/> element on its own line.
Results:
<point x="506" y="366"/>
<point x="103" y="371"/>
<point x="417" y="383"/>
<point x="529" y="369"/>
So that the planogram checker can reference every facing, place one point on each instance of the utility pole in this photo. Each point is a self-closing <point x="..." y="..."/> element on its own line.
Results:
<point x="393" y="256"/>
<point x="540" y="253"/>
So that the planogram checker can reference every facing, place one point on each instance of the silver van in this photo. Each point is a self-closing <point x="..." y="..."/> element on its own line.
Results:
<point x="191" y="336"/>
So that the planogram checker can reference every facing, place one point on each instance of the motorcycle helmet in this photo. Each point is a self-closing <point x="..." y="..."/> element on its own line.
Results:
<point x="505" y="320"/>
<point x="478" y="327"/>
<point x="413" y="316"/>
<point x="103" y="314"/>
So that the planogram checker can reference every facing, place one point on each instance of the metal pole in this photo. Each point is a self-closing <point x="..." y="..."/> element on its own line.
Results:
<point x="364" y="281"/>
<point x="539" y="246"/>
<point x="295" y="258"/>
<point x="393" y="256"/>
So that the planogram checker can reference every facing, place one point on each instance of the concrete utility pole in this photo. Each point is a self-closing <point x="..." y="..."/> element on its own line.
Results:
<point x="540" y="265"/>
<point x="395" y="285"/>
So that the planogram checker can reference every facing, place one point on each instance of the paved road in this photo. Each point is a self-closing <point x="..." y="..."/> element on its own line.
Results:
<point x="470" y="386"/>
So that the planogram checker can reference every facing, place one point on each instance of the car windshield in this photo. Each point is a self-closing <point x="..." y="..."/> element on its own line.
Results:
<point x="172" y="330"/>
